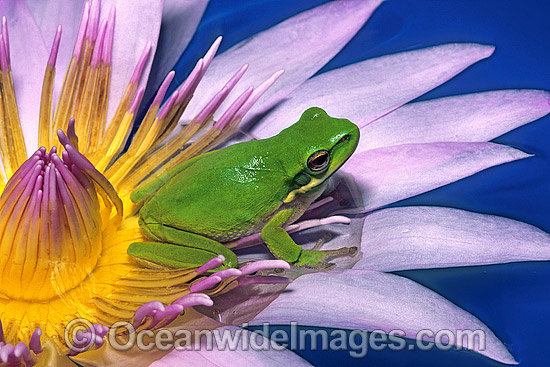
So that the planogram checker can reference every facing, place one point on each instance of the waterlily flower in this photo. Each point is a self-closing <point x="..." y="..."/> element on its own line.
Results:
<point x="64" y="248"/>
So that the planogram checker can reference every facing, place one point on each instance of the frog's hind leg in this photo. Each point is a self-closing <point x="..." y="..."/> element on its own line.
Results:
<point x="180" y="249"/>
<point x="167" y="255"/>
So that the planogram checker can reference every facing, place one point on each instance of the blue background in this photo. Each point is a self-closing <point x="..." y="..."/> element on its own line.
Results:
<point x="512" y="299"/>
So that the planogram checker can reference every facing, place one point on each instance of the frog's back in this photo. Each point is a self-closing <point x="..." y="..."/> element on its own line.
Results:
<point x="225" y="194"/>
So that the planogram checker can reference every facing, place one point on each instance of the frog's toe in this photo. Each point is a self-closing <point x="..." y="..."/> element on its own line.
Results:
<point x="323" y="266"/>
<point x="317" y="259"/>
<point x="331" y="254"/>
<point x="314" y="260"/>
<point x="342" y="251"/>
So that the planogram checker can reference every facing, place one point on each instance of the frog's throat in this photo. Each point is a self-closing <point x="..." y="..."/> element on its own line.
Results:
<point x="302" y="190"/>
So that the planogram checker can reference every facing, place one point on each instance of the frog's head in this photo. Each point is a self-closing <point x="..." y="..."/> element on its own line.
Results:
<point x="320" y="144"/>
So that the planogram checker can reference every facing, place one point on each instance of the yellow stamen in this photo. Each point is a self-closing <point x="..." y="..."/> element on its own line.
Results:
<point x="63" y="251"/>
<point x="45" y="131"/>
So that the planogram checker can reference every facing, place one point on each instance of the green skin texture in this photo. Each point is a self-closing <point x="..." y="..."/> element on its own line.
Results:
<point x="226" y="194"/>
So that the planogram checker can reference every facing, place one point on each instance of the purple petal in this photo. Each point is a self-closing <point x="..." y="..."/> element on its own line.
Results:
<point x="137" y="22"/>
<point x="374" y="301"/>
<point x="272" y="354"/>
<point x="242" y="304"/>
<point x="365" y="91"/>
<point x="28" y="60"/>
<point x="389" y="174"/>
<point x="431" y="237"/>
<point x="179" y="22"/>
<point x="470" y="117"/>
<point x="300" y="45"/>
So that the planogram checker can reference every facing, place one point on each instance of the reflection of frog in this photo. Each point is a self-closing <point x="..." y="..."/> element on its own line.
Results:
<point x="256" y="186"/>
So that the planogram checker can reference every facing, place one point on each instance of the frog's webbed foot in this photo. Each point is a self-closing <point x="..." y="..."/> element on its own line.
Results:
<point x="317" y="259"/>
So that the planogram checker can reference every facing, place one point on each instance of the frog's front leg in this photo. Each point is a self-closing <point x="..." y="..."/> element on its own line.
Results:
<point x="283" y="246"/>
<point x="179" y="249"/>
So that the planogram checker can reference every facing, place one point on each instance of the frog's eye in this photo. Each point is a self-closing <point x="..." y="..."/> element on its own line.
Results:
<point x="318" y="161"/>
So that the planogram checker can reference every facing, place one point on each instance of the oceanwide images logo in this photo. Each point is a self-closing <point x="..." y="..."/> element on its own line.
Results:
<point x="81" y="335"/>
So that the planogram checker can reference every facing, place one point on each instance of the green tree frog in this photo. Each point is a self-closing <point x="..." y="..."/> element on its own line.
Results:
<point x="255" y="186"/>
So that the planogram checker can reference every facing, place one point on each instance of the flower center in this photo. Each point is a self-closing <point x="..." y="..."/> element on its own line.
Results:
<point x="50" y="223"/>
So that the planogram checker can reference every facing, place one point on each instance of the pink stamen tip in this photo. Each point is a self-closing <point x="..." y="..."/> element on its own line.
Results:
<point x="137" y="100"/>
<point x="248" y="240"/>
<point x="66" y="158"/>
<point x="206" y="283"/>
<point x="55" y="48"/>
<point x="93" y="23"/>
<point x="244" y="281"/>
<point x="146" y="310"/>
<point x="6" y="36"/>
<point x="194" y="299"/>
<point x="258" y="92"/>
<point x="141" y="63"/>
<point x="6" y="353"/>
<point x="98" y="341"/>
<point x="101" y="330"/>
<point x="317" y="222"/>
<point x="23" y="171"/>
<point x="163" y="88"/>
<point x="36" y="190"/>
<point x="191" y="83"/>
<point x="228" y="115"/>
<point x="34" y="344"/>
<point x="20" y="350"/>
<point x="168" y="105"/>
<point x="4" y="65"/>
<point x="320" y="203"/>
<point x="63" y="139"/>
<point x="88" y="168"/>
<point x="108" y="46"/>
<point x="228" y="273"/>
<point x="211" y="106"/>
<point x="98" y="48"/>
<point x="81" y="30"/>
<point x="335" y="219"/>
<point x="211" y="264"/>
<point x="25" y="354"/>
<point x="263" y="265"/>
<point x="210" y="55"/>
<point x="170" y="312"/>
<point x="71" y="132"/>
<point x="236" y="77"/>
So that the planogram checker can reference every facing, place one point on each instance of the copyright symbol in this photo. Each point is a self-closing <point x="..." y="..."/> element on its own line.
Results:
<point x="79" y="335"/>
